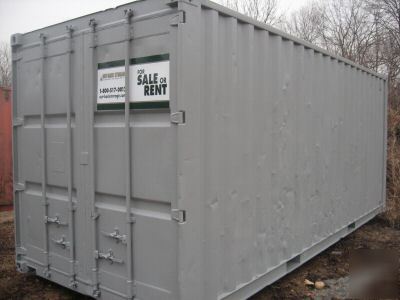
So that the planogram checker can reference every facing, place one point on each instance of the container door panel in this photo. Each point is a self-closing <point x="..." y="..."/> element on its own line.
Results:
<point x="42" y="156"/>
<point x="152" y="161"/>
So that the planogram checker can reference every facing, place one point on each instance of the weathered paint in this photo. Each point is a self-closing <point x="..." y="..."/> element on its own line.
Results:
<point x="269" y="151"/>
<point x="6" y="189"/>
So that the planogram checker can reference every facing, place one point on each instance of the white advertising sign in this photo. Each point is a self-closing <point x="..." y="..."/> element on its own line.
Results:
<point x="149" y="82"/>
<point x="111" y="85"/>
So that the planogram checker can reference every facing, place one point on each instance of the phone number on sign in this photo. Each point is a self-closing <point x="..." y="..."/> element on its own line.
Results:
<point x="112" y="90"/>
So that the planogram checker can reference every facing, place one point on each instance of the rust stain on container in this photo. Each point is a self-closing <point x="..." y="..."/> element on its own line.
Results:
<point x="6" y="191"/>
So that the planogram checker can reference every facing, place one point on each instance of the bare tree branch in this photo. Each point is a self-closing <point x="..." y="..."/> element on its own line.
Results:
<point x="343" y="27"/>
<point x="5" y="65"/>
<point x="265" y="11"/>
<point x="307" y="22"/>
<point x="387" y="14"/>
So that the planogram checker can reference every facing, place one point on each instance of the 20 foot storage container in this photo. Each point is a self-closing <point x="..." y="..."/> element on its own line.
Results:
<point x="179" y="150"/>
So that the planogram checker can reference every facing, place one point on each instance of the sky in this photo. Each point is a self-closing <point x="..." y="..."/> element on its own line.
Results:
<point x="20" y="16"/>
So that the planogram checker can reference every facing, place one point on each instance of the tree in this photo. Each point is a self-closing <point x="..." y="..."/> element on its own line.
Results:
<point x="349" y="31"/>
<point x="5" y="65"/>
<point x="343" y="27"/>
<point x="388" y="17"/>
<point x="265" y="11"/>
<point x="307" y="23"/>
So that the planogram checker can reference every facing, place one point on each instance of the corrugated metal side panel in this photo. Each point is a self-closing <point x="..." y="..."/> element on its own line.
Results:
<point x="290" y="153"/>
<point x="6" y="189"/>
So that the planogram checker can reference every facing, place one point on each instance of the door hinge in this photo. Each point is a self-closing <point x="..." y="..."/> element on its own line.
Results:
<point x="178" y="19"/>
<point x="73" y="283"/>
<point x="16" y="40"/>
<point x="178" y="215"/>
<point x="178" y="117"/>
<point x="96" y="292"/>
<point x="47" y="272"/>
<point x="172" y="3"/>
<point x="22" y="266"/>
<point x="94" y="215"/>
<point x="18" y="122"/>
<point x="19" y="187"/>
<point x="20" y="251"/>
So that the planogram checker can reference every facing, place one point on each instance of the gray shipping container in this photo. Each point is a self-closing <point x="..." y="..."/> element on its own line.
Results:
<point x="235" y="153"/>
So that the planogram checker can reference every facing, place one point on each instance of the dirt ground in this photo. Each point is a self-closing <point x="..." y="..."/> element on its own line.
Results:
<point x="331" y="267"/>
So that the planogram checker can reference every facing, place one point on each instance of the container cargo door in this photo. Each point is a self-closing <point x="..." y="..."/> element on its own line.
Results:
<point x="129" y="155"/>
<point x="96" y="179"/>
<point x="45" y="164"/>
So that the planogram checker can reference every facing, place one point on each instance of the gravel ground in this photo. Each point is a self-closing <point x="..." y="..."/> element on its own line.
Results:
<point x="331" y="267"/>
